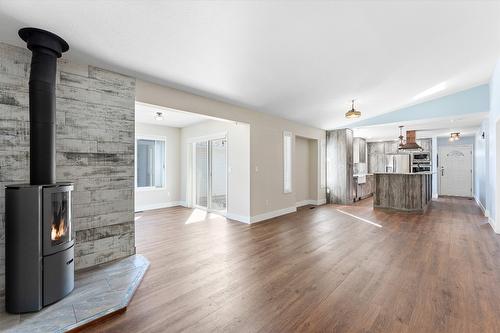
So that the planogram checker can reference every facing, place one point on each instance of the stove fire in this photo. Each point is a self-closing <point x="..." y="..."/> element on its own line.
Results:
<point x="58" y="230"/>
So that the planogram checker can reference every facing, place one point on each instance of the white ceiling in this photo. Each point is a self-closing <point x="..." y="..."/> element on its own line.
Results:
<point x="301" y="60"/>
<point x="441" y="127"/>
<point x="145" y="113"/>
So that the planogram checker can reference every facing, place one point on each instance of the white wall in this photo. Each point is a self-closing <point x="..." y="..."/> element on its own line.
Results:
<point x="238" y="156"/>
<point x="492" y="195"/>
<point x="481" y="164"/>
<point x="266" y="136"/>
<point x="487" y="156"/>
<point x="170" y="196"/>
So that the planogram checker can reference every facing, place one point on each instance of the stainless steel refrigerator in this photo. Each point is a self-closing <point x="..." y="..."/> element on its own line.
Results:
<point x="401" y="163"/>
<point x="398" y="163"/>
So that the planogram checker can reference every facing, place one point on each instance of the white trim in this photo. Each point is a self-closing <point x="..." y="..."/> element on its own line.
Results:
<point x="321" y="202"/>
<point x="270" y="215"/>
<point x="480" y="206"/>
<point x="305" y="203"/>
<point x="492" y="224"/>
<point x="215" y="136"/>
<point x="155" y="138"/>
<point x="310" y="202"/>
<point x="159" y="205"/>
<point x="239" y="218"/>
<point x="288" y="162"/>
<point x="322" y="164"/>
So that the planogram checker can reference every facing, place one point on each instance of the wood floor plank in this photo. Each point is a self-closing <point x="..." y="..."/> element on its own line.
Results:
<point x="333" y="268"/>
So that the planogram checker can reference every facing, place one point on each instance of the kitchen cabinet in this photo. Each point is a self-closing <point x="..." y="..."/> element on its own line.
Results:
<point x="376" y="163"/>
<point x="339" y="173"/>
<point x="375" y="147"/>
<point x="359" y="150"/>
<point x="391" y="147"/>
<point x="362" y="151"/>
<point x="363" y="190"/>
<point x="426" y="144"/>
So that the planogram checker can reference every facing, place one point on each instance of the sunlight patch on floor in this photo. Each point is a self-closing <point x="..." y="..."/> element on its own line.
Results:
<point x="359" y="218"/>
<point x="200" y="215"/>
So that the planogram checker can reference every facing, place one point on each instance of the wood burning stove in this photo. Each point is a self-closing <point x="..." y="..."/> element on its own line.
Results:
<point x="39" y="245"/>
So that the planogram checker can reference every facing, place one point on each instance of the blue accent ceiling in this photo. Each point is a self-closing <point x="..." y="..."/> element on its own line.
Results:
<point x="464" y="102"/>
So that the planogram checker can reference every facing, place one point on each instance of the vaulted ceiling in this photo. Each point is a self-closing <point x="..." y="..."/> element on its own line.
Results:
<point x="301" y="60"/>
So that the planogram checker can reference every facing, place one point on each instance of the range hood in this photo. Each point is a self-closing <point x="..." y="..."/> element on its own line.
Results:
<point x="410" y="143"/>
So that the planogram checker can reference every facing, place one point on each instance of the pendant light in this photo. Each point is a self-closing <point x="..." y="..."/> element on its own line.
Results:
<point x="455" y="136"/>
<point x="352" y="113"/>
<point x="401" y="137"/>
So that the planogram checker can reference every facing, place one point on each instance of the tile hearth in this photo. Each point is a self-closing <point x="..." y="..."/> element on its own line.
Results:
<point x="98" y="292"/>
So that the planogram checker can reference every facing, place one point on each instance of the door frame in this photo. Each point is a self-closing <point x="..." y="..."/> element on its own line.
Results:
<point x="471" y="146"/>
<point x="192" y="144"/>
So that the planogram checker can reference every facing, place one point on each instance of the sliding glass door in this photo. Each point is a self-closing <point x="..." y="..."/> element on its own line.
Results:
<point x="211" y="174"/>
<point x="218" y="185"/>
<point x="201" y="177"/>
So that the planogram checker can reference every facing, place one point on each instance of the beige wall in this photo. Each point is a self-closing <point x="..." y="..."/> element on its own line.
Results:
<point x="266" y="131"/>
<point x="314" y="171"/>
<point x="302" y="170"/>
<point x="238" y="163"/>
<point x="170" y="196"/>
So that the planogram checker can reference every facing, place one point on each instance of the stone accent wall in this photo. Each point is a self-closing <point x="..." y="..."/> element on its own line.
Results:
<point x="95" y="150"/>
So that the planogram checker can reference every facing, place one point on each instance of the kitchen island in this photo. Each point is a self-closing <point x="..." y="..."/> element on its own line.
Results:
<point x="410" y="192"/>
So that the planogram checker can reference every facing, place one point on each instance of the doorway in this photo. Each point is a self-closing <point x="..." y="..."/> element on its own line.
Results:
<point x="210" y="174"/>
<point x="455" y="170"/>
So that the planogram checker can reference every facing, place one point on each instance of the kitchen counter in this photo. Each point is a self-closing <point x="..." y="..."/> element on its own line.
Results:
<point x="403" y="191"/>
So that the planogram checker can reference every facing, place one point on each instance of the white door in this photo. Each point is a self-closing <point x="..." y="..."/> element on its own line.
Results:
<point x="455" y="171"/>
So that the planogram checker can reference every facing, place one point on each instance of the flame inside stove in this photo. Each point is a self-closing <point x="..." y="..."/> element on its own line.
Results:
<point x="58" y="230"/>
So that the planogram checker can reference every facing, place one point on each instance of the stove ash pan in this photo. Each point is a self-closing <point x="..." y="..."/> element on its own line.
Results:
<point x="38" y="245"/>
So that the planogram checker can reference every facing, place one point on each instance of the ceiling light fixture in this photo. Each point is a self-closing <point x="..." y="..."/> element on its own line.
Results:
<point x="159" y="115"/>
<point x="352" y="113"/>
<point x="455" y="136"/>
<point x="401" y="137"/>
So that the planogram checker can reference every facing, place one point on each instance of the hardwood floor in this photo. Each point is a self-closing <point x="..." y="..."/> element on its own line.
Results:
<point x="321" y="269"/>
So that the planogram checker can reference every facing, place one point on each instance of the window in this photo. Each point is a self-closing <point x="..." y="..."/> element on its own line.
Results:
<point x="150" y="163"/>
<point x="322" y="161"/>
<point x="287" y="162"/>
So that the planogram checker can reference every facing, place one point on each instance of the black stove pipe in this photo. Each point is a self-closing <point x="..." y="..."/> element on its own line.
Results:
<point x="46" y="47"/>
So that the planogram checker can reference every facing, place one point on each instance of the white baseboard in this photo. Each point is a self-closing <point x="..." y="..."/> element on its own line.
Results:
<point x="239" y="218"/>
<point x="492" y="224"/>
<point x="305" y="203"/>
<point x="310" y="202"/>
<point x="159" y="205"/>
<point x="270" y="215"/>
<point x="481" y="206"/>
